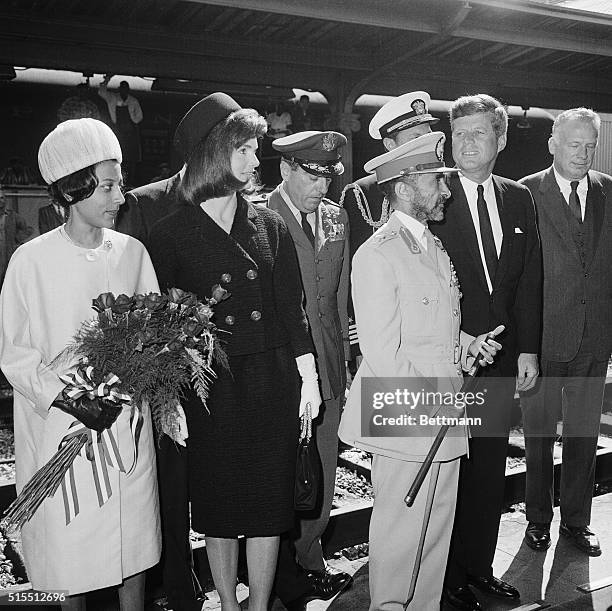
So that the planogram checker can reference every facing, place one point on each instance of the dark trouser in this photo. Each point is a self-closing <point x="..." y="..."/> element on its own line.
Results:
<point x="180" y="583"/>
<point x="304" y="543"/>
<point x="481" y="486"/>
<point x="573" y="390"/>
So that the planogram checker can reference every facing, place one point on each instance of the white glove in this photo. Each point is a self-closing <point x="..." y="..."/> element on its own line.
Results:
<point x="310" y="384"/>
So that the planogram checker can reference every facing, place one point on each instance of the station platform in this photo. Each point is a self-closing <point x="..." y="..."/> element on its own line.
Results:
<point x="560" y="578"/>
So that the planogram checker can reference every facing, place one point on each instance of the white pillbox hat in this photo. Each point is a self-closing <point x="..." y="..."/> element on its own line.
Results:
<point x="74" y="145"/>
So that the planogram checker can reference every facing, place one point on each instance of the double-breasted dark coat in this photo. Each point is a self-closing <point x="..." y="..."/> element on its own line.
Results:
<point x="242" y="454"/>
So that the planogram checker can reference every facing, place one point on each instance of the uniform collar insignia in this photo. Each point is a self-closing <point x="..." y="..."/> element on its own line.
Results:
<point x="409" y="240"/>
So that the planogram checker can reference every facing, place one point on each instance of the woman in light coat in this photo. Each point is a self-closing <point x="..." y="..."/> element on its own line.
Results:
<point x="83" y="540"/>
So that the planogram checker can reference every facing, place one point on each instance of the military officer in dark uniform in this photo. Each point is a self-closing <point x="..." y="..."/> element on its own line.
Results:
<point x="398" y="121"/>
<point x="319" y="229"/>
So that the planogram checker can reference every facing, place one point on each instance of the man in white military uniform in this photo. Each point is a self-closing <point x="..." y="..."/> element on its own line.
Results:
<point x="406" y="298"/>
<point x="398" y="121"/>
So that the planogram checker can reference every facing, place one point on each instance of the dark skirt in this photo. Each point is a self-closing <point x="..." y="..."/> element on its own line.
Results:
<point x="242" y="454"/>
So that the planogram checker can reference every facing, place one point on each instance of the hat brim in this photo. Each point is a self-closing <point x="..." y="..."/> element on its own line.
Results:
<point x="326" y="170"/>
<point x="441" y="170"/>
<point x="413" y="122"/>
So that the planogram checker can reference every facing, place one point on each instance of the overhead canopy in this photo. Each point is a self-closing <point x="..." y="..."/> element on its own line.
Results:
<point x="525" y="52"/>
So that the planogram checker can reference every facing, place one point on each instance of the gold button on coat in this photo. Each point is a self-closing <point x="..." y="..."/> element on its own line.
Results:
<point x="226" y="278"/>
<point x="251" y="274"/>
<point x="230" y="320"/>
<point x="255" y="315"/>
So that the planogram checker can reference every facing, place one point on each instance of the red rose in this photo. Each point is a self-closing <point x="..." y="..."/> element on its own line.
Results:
<point x="122" y="304"/>
<point x="177" y="295"/>
<point x="103" y="302"/>
<point x="192" y="327"/>
<point x="155" y="301"/>
<point x="219" y="293"/>
<point x="204" y="314"/>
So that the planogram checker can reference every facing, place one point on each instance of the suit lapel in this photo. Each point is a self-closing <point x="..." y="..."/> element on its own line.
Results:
<point x="507" y="224"/>
<point x="465" y="224"/>
<point x="596" y="202"/>
<point x="243" y="228"/>
<point x="553" y="205"/>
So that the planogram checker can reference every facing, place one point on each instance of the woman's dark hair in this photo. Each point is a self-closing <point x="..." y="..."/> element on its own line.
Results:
<point x="75" y="187"/>
<point x="208" y="172"/>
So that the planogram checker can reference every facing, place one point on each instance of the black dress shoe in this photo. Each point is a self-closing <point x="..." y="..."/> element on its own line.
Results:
<point x="461" y="598"/>
<point x="322" y="585"/>
<point x="582" y="537"/>
<point x="537" y="536"/>
<point x="494" y="586"/>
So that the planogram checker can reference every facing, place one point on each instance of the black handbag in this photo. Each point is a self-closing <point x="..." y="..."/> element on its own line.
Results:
<point x="308" y="470"/>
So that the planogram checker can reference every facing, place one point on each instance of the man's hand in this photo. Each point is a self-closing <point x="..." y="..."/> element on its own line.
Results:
<point x="528" y="371"/>
<point x="450" y="411"/>
<point x="485" y="347"/>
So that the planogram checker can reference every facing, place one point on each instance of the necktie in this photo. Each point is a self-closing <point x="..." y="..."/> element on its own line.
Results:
<point x="307" y="228"/>
<point x="574" y="201"/>
<point x="486" y="234"/>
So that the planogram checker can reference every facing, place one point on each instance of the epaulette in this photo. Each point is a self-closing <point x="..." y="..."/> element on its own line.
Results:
<point x="329" y="202"/>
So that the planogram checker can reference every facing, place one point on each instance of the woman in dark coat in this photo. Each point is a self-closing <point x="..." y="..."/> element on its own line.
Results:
<point x="242" y="453"/>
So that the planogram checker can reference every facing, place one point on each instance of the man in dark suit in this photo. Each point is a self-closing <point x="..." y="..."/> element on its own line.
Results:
<point x="575" y="221"/>
<point x="144" y="206"/>
<point x="398" y="121"/>
<point x="320" y="232"/>
<point x="491" y="237"/>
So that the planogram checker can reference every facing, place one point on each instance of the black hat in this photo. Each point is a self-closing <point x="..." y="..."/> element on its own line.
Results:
<point x="316" y="152"/>
<point x="200" y="119"/>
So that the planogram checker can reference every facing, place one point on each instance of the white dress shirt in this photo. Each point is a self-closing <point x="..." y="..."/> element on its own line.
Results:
<point x="470" y="188"/>
<point x="566" y="188"/>
<point x="311" y="217"/>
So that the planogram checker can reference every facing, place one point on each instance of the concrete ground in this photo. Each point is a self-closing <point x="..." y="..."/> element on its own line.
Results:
<point x="552" y="578"/>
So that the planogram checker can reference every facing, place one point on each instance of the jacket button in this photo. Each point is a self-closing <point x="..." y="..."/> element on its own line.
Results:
<point x="251" y="274"/>
<point x="318" y="278"/>
<point x="583" y="301"/>
<point x="230" y="320"/>
<point x="425" y="301"/>
<point x="226" y="278"/>
<point x="455" y="312"/>
<point x="255" y="315"/>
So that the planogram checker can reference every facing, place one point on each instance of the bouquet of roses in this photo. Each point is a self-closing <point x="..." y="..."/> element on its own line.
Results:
<point x="143" y="349"/>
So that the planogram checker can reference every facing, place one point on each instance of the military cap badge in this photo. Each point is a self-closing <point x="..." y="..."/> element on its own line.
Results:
<point x="419" y="107"/>
<point x="329" y="141"/>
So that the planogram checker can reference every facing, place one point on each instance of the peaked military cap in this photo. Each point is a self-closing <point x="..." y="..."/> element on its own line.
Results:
<point x="315" y="152"/>
<point x="423" y="155"/>
<point x="401" y="113"/>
